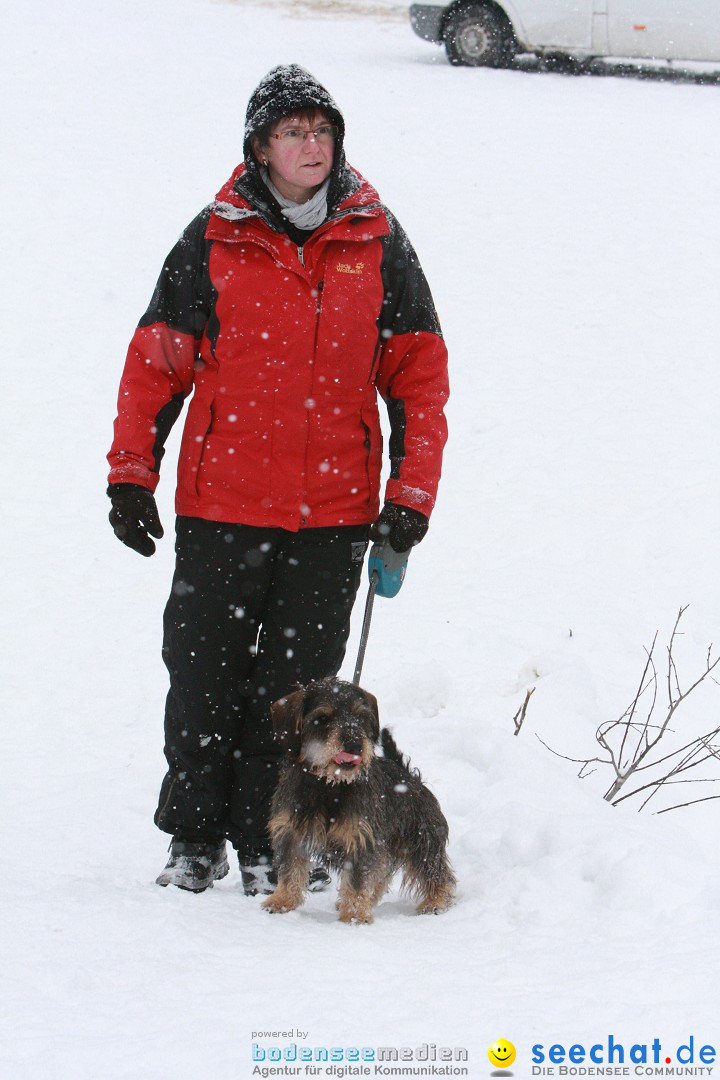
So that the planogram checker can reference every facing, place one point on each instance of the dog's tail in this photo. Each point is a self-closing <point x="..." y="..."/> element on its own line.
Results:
<point x="391" y="752"/>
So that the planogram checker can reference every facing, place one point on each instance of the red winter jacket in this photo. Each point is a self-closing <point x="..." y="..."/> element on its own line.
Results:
<point x="285" y="350"/>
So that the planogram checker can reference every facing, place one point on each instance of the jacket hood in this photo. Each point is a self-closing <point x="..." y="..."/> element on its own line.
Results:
<point x="283" y="91"/>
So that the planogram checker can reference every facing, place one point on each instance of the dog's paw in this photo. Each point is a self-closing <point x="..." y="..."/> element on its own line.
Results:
<point x="432" y="907"/>
<point x="349" y="917"/>
<point x="355" y="913"/>
<point x="279" y="905"/>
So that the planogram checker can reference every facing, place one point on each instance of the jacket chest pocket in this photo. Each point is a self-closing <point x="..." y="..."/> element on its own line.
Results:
<point x="351" y="301"/>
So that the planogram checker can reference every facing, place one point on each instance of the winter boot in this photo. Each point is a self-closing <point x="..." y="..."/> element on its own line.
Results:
<point x="194" y="867"/>
<point x="319" y="879"/>
<point x="258" y="875"/>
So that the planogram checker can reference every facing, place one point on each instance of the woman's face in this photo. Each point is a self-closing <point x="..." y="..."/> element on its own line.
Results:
<point x="297" y="169"/>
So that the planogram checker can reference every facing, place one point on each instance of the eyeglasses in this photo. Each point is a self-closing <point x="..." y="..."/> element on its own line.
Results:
<point x="296" y="136"/>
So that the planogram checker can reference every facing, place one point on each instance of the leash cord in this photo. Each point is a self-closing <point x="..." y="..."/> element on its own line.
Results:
<point x="365" y="627"/>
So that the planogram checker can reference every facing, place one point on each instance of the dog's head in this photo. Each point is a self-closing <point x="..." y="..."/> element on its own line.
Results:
<point x="330" y="727"/>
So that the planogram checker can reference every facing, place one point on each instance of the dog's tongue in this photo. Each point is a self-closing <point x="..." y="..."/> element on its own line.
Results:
<point x="343" y="758"/>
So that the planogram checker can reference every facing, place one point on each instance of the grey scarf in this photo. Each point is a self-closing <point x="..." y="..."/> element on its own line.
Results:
<point x="307" y="215"/>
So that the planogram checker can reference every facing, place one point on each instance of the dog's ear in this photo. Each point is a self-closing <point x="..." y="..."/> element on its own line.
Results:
<point x="286" y="715"/>
<point x="372" y="702"/>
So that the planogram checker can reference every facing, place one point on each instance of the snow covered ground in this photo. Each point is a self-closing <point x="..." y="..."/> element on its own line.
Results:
<point x="569" y="229"/>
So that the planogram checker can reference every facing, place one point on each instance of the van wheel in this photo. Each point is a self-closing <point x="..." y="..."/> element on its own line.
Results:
<point x="476" y="36"/>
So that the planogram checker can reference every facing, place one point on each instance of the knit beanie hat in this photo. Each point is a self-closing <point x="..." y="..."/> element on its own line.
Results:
<point x="283" y="91"/>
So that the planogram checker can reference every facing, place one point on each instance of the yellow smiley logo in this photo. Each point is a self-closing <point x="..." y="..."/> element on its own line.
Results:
<point x="501" y="1054"/>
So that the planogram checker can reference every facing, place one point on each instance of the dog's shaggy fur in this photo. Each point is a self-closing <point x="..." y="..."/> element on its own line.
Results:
<point x="363" y="815"/>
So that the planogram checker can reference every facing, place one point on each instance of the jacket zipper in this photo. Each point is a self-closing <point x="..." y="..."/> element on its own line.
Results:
<point x="318" y="310"/>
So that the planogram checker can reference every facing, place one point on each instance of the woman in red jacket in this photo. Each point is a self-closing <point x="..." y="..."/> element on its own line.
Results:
<point x="285" y="308"/>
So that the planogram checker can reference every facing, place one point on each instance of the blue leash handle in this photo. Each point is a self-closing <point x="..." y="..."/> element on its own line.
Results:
<point x="390" y="567"/>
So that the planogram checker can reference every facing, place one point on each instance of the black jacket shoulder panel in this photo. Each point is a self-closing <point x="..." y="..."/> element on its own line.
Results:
<point x="183" y="295"/>
<point x="408" y="305"/>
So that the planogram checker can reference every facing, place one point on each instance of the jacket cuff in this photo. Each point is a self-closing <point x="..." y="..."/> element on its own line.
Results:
<point x="415" y="498"/>
<point x="133" y="472"/>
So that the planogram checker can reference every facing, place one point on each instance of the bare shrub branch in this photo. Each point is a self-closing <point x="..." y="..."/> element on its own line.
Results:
<point x="519" y="716"/>
<point x="692" y="802"/>
<point x="630" y="742"/>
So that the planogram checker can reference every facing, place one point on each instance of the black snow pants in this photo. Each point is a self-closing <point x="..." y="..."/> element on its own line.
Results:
<point x="252" y="612"/>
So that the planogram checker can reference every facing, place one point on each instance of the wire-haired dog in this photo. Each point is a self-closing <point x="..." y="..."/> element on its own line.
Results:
<point x="360" y="814"/>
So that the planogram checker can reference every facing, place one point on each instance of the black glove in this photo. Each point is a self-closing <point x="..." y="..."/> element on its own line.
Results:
<point x="134" y="516"/>
<point x="401" y="526"/>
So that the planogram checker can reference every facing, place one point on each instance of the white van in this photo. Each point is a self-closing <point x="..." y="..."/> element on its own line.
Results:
<point x="491" y="32"/>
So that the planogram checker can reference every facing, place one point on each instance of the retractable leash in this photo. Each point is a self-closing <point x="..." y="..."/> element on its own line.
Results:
<point x="386" y="570"/>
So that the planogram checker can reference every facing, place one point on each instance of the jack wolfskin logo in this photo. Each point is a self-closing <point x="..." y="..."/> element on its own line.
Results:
<point x="346" y="268"/>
